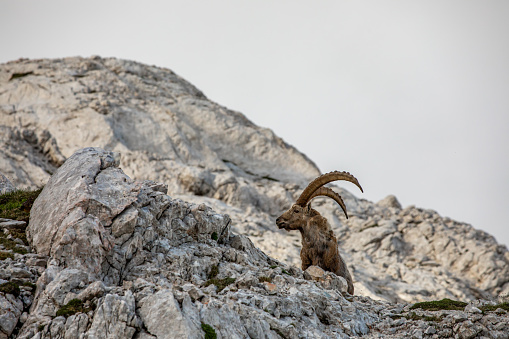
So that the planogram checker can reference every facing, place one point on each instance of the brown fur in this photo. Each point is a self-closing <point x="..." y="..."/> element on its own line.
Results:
<point x="319" y="245"/>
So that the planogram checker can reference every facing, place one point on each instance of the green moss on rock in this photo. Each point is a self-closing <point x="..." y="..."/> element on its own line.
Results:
<point x="214" y="271"/>
<point x="72" y="307"/>
<point x="5" y="255"/>
<point x="16" y="205"/>
<point x="210" y="333"/>
<point x="220" y="283"/>
<point x="11" y="245"/>
<point x="444" y="304"/>
<point x="10" y="288"/>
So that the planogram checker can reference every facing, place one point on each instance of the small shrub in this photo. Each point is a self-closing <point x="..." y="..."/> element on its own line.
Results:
<point x="265" y="279"/>
<point x="214" y="271"/>
<point x="214" y="236"/>
<point x="444" y="304"/>
<point x="491" y="308"/>
<point x="5" y="255"/>
<point x="33" y="287"/>
<point x="72" y="307"/>
<point x="210" y="333"/>
<point x="285" y="272"/>
<point x="11" y="245"/>
<point x="10" y="288"/>
<point x="220" y="283"/>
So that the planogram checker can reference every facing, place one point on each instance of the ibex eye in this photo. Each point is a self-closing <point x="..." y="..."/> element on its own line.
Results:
<point x="295" y="211"/>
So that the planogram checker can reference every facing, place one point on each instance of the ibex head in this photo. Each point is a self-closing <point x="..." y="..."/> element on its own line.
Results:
<point x="296" y="217"/>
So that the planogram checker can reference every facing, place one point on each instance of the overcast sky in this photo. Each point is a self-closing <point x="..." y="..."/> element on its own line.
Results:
<point x="412" y="97"/>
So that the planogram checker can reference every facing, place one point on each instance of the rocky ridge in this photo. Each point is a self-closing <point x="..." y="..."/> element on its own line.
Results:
<point x="118" y="258"/>
<point x="166" y="130"/>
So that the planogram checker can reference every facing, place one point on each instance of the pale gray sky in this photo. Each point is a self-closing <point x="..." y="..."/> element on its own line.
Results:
<point x="410" y="96"/>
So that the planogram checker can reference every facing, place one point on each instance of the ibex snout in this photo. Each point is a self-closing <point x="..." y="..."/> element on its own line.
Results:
<point x="280" y="222"/>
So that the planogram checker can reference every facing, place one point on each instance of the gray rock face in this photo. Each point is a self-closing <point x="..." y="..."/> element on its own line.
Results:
<point x="161" y="124"/>
<point x="5" y="185"/>
<point x="166" y="130"/>
<point x="158" y="267"/>
<point x="174" y="267"/>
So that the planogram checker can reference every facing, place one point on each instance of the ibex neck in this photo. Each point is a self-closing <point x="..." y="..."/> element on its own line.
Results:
<point x="315" y="226"/>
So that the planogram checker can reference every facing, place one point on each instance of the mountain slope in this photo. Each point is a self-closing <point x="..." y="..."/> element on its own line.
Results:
<point x="166" y="130"/>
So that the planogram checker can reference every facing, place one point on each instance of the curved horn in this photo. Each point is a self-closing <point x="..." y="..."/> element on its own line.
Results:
<point x="327" y="192"/>
<point x="322" y="180"/>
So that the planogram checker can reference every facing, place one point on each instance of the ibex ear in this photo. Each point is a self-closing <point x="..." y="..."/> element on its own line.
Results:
<point x="308" y="208"/>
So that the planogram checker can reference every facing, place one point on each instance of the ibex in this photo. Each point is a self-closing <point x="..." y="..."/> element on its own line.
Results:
<point x="319" y="245"/>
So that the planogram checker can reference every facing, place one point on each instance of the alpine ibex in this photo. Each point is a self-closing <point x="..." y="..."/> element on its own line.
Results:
<point x="319" y="245"/>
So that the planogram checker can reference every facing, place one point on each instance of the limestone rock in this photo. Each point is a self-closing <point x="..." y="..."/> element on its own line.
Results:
<point x="163" y="317"/>
<point x="314" y="273"/>
<point x="10" y="311"/>
<point x="166" y="130"/>
<point x="177" y="268"/>
<point x="5" y="185"/>
<point x="147" y="280"/>
<point x="115" y="317"/>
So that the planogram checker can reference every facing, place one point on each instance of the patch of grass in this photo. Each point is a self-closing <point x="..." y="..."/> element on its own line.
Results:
<point x="285" y="272"/>
<point x="16" y="205"/>
<point x="265" y="279"/>
<point x="40" y="328"/>
<point x="214" y="236"/>
<point x="32" y="286"/>
<point x="214" y="271"/>
<point x="5" y="255"/>
<point x="20" y="250"/>
<point x="444" y="304"/>
<point x="491" y="308"/>
<point x="11" y="245"/>
<point x="72" y="307"/>
<point x="220" y="283"/>
<point x="210" y="333"/>
<point x="10" y="288"/>
<point x="273" y="266"/>
<point x="20" y="234"/>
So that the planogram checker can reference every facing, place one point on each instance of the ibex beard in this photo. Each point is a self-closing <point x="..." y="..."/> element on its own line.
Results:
<point x="319" y="245"/>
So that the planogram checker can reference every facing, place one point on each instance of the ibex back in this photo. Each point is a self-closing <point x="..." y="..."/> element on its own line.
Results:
<point x="319" y="245"/>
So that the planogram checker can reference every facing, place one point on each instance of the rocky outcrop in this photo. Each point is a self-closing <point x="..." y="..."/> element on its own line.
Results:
<point x="167" y="131"/>
<point x="142" y="262"/>
<point x="119" y="258"/>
